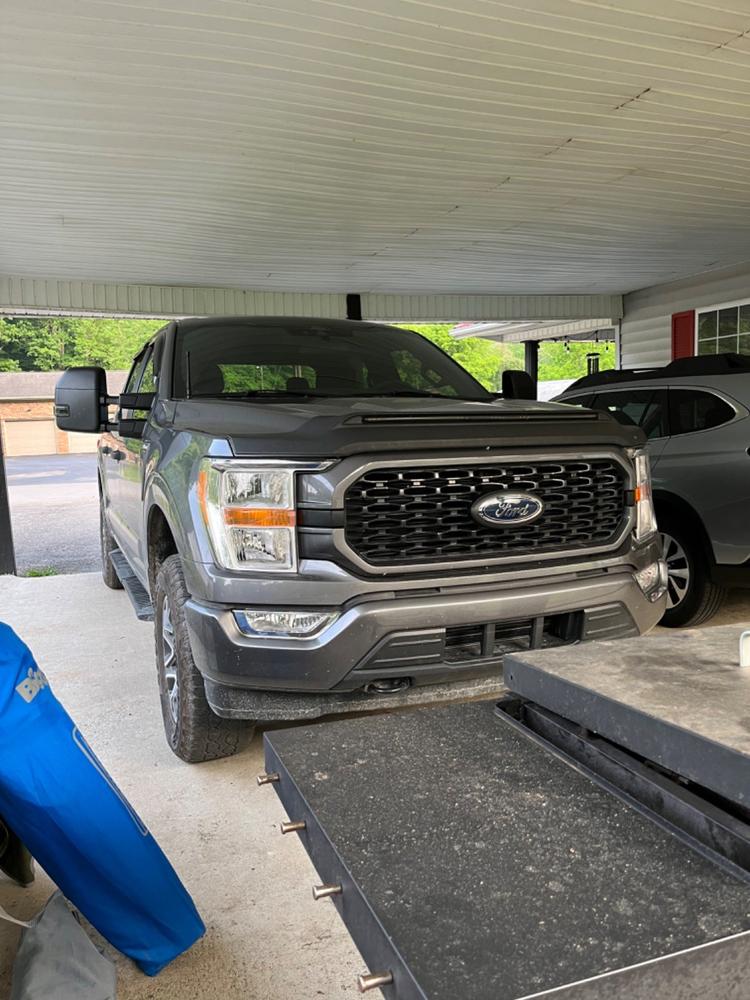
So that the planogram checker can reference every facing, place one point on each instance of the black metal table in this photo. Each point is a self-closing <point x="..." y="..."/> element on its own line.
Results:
<point x="475" y="862"/>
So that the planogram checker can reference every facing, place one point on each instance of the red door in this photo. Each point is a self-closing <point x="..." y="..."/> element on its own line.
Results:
<point x="683" y="334"/>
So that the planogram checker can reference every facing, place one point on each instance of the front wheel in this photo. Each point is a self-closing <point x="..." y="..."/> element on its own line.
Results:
<point x="692" y="596"/>
<point x="194" y="732"/>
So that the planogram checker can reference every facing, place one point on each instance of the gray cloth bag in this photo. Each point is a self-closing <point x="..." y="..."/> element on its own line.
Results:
<point x="56" y="960"/>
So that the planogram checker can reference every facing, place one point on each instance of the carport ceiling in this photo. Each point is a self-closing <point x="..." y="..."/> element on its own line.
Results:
<point x="524" y="146"/>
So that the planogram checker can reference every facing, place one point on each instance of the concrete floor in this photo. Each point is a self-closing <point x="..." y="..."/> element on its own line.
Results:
<point x="266" y="939"/>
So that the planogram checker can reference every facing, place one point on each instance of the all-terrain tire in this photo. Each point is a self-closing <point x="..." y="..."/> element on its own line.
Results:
<point x="692" y="594"/>
<point x="194" y="732"/>
<point x="108" y="544"/>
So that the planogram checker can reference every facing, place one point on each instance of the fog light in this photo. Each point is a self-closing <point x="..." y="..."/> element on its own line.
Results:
<point x="283" y="624"/>
<point x="653" y="580"/>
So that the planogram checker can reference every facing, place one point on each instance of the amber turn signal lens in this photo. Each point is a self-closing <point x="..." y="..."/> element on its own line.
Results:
<point x="259" y="517"/>
<point x="202" y="490"/>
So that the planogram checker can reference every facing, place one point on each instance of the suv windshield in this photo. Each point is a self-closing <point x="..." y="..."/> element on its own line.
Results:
<point x="237" y="360"/>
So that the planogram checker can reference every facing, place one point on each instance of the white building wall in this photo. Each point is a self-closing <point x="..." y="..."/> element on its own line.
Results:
<point x="646" y="338"/>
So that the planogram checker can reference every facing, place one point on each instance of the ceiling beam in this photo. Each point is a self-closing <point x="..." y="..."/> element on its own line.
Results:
<point x="54" y="296"/>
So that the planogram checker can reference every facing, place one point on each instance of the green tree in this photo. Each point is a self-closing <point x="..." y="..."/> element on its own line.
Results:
<point x="53" y="343"/>
<point x="558" y="360"/>
<point x="38" y="344"/>
<point x="111" y="343"/>
<point x="9" y="365"/>
<point x="484" y="359"/>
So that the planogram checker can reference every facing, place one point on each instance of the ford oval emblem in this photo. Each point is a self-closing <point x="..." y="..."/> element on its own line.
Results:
<point x="504" y="509"/>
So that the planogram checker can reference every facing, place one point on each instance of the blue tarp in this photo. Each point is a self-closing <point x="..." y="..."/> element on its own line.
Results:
<point x="71" y="815"/>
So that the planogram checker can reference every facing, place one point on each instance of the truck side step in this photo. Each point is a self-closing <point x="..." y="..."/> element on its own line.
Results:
<point x="144" y="609"/>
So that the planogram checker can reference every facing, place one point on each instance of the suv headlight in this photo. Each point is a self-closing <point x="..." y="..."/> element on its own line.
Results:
<point x="645" y="517"/>
<point x="250" y="514"/>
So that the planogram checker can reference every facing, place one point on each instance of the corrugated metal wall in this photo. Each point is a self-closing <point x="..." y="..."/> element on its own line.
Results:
<point x="646" y="328"/>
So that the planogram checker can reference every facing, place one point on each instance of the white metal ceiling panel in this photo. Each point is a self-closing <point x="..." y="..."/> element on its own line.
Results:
<point x="380" y="146"/>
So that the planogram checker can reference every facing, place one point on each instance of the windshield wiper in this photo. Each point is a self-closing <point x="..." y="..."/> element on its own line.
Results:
<point x="262" y="393"/>
<point x="425" y="392"/>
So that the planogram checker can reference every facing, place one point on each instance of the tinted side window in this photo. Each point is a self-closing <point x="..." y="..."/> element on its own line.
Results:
<point x="135" y="373"/>
<point x="642" y="408"/>
<point x="693" y="410"/>
<point x="148" y="378"/>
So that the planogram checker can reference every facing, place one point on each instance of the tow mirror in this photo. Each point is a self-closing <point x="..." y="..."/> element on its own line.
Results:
<point x="81" y="400"/>
<point x="133" y="426"/>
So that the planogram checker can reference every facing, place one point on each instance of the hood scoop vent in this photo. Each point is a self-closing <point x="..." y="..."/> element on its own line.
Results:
<point x="475" y="418"/>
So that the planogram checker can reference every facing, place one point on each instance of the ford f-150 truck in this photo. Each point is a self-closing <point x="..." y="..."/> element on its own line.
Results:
<point x="317" y="509"/>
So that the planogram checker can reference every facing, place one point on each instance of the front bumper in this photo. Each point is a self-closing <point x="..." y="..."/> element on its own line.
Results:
<point x="404" y="637"/>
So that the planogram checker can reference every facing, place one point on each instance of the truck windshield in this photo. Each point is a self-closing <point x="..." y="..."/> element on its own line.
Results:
<point x="251" y="360"/>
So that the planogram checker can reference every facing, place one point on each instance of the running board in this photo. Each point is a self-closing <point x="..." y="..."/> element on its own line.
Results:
<point x="144" y="609"/>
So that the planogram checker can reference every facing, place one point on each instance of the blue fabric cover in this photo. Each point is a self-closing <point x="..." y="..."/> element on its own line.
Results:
<point x="70" y="814"/>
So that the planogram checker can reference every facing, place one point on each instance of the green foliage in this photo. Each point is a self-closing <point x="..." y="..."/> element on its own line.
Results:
<point x="9" y="365"/>
<point x="484" y="359"/>
<point x="52" y="343"/>
<point x="558" y="360"/>
<point x="262" y="378"/>
<point x="112" y="343"/>
<point x="42" y="571"/>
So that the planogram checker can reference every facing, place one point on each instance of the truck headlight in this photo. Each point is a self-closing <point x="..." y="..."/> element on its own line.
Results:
<point x="645" y="518"/>
<point x="250" y="514"/>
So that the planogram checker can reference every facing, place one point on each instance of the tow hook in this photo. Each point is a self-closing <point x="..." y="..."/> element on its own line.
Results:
<point x="388" y="686"/>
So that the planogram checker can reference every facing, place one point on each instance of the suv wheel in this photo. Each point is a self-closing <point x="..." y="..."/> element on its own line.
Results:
<point x="692" y="597"/>
<point x="108" y="544"/>
<point x="193" y="731"/>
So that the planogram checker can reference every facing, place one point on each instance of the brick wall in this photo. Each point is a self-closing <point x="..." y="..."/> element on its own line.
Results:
<point x="27" y="409"/>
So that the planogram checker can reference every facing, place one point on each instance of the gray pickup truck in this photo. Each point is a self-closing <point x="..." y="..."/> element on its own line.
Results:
<point x="318" y="512"/>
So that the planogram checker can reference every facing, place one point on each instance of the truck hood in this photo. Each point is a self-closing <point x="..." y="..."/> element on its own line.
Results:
<point x="336" y="427"/>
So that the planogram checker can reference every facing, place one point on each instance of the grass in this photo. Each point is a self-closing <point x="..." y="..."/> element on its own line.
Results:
<point x="42" y="571"/>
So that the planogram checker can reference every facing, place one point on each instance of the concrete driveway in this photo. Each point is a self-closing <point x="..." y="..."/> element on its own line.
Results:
<point x="266" y="938"/>
<point x="54" y="512"/>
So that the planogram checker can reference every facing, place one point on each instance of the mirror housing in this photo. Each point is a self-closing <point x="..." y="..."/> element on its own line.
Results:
<point x="518" y="384"/>
<point x="81" y="400"/>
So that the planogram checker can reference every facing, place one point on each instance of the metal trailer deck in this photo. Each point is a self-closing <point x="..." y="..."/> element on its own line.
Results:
<point x="479" y="852"/>
<point x="680" y="700"/>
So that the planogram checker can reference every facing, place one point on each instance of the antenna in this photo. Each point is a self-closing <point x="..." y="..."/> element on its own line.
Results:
<point x="188" y="381"/>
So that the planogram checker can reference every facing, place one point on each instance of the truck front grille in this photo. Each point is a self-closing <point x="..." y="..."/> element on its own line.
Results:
<point x="402" y="516"/>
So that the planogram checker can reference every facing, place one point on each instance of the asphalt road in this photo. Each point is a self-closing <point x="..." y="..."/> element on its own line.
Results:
<point x="54" y="507"/>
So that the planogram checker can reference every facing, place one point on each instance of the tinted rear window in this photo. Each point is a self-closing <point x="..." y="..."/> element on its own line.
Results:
<point x="694" y="410"/>
<point x="642" y="408"/>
